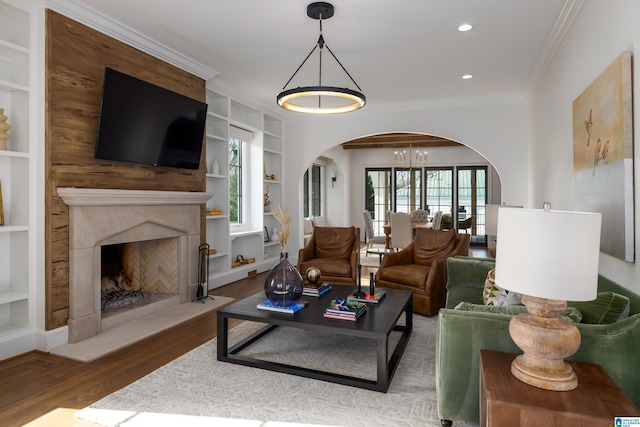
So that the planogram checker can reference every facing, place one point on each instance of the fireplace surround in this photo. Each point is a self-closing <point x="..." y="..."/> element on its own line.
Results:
<point x="100" y="217"/>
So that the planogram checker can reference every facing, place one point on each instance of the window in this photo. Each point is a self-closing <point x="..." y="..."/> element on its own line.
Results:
<point x="313" y="191"/>
<point x="235" y="181"/>
<point x="408" y="189"/>
<point x="241" y="187"/>
<point x="472" y="199"/>
<point x="378" y="197"/>
<point x="460" y="192"/>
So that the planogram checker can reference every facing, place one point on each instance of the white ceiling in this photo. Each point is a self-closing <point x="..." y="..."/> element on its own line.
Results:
<point x="407" y="51"/>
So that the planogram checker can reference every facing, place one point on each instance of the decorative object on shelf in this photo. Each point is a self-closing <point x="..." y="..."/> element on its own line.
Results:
<point x="203" y="273"/>
<point x="283" y="284"/>
<point x="275" y="237"/>
<point x="268" y="177"/>
<point x="313" y="274"/>
<point x="549" y="257"/>
<point x="266" y="201"/>
<point x="1" y="208"/>
<point x="283" y="217"/>
<point x="214" y="211"/>
<point x="4" y="130"/>
<point x="215" y="167"/>
<point x="266" y="235"/>
<point x="338" y="99"/>
<point x="241" y="260"/>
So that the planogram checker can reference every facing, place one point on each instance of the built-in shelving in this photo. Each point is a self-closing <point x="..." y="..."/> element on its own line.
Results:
<point x="266" y="154"/>
<point x="17" y="316"/>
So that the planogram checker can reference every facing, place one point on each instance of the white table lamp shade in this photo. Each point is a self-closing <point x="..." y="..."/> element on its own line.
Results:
<point x="549" y="254"/>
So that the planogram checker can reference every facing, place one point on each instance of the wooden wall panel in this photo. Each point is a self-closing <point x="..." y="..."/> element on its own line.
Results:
<point x="76" y="57"/>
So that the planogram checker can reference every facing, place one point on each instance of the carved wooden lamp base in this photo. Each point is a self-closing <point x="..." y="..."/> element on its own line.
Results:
<point x="546" y="340"/>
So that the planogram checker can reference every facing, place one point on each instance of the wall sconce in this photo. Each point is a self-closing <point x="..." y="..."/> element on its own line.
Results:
<point x="333" y="178"/>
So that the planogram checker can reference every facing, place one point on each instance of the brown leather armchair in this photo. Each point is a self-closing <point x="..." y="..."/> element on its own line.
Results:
<point x="335" y="251"/>
<point x="422" y="267"/>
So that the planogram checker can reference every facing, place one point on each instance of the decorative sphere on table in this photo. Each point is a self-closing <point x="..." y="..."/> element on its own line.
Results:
<point x="313" y="274"/>
<point x="283" y="284"/>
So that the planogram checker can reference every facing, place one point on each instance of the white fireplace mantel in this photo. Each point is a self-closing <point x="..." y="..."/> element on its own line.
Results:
<point x="100" y="217"/>
<point x="72" y="196"/>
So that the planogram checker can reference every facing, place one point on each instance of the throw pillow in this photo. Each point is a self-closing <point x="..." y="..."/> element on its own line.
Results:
<point x="571" y="313"/>
<point x="608" y="307"/>
<point x="491" y="292"/>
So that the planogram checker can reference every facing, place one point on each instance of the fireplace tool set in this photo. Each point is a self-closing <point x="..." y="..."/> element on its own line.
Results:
<point x="203" y="273"/>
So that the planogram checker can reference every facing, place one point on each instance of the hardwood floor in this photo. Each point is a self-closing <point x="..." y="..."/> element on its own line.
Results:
<point x="41" y="389"/>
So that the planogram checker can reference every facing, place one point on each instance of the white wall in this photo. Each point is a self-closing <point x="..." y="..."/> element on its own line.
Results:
<point x="601" y="32"/>
<point x="496" y="130"/>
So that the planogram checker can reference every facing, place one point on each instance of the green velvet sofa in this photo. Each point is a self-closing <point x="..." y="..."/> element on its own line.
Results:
<point x="462" y="334"/>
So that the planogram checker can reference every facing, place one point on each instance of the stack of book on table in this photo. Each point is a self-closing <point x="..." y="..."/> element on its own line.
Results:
<point x="268" y="305"/>
<point x="374" y="299"/>
<point x="345" y="309"/>
<point x="315" y="289"/>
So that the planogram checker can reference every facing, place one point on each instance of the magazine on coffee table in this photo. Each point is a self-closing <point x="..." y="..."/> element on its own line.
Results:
<point x="368" y="298"/>
<point x="268" y="305"/>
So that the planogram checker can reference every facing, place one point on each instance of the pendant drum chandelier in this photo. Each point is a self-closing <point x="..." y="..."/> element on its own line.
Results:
<point x="336" y="99"/>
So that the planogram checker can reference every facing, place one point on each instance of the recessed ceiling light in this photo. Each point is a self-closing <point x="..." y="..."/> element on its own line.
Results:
<point x="467" y="76"/>
<point x="465" y="27"/>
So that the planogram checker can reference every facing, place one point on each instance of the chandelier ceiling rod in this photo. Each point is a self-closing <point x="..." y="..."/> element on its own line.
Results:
<point x="285" y="98"/>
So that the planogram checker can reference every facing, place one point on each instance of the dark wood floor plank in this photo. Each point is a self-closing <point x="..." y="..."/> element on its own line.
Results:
<point x="37" y="387"/>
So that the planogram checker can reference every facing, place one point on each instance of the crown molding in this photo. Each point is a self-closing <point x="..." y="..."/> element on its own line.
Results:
<point x="118" y="31"/>
<point x="556" y="34"/>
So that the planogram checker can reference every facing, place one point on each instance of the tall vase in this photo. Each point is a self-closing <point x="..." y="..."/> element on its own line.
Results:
<point x="4" y="130"/>
<point x="283" y="284"/>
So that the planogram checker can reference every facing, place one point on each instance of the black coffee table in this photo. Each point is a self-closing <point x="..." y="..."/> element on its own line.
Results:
<point x="376" y="323"/>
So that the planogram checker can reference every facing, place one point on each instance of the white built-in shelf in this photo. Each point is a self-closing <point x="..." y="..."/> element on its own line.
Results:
<point x="245" y="233"/>
<point x="12" y="296"/>
<point x="9" y="153"/>
<point x="217" y="217"/>
<point x="210" y="175"/>
<point x="218" y="254"/>
<point x="272" y="181"/>
<point x="11" y="228"/>
<point x="12" y="87"/>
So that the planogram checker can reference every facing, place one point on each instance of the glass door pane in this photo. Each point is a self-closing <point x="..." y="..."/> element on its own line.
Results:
<point x="471" y="202"/>
<point x="440" y="193"/>
<point x="408" y="189"/>
<point x="378" y="197"/>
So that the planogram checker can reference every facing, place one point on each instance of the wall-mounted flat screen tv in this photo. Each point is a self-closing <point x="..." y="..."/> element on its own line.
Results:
<point x="144" y="123"/>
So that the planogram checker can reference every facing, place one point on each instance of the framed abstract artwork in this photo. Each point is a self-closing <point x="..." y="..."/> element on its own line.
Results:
<point x="603" y="156"/>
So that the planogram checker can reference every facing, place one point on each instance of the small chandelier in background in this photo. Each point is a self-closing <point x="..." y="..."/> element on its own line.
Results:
<point x="337" y="99"/>
<point x="400" y="158"/>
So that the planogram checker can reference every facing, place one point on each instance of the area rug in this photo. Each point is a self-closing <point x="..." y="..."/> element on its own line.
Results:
<point x="196" y="389"/>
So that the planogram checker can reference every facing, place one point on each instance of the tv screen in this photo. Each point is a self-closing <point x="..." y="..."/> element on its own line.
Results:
<point x="144" y="123"/>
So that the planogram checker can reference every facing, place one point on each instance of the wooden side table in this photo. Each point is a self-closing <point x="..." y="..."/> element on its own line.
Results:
<point x="506" y="401"/>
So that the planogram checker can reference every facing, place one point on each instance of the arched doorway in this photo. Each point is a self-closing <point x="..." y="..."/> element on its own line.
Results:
<point x="388" y="174"/>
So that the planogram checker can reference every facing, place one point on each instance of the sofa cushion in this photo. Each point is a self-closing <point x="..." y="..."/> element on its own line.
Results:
<point x="571" y="314"/>
<point x="463" y="294"/>
<point x="329" y="266"/>
<point x="413" y="275"/>
<point x="429" y="245"/>
<point x="608" y="307"/>
<point x="334" y="242"/>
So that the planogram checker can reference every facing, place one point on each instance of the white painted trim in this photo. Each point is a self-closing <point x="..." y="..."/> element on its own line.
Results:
<point x="556" y="34"/>
<point x="118" y="31"/>
<point x="46" y="340"/>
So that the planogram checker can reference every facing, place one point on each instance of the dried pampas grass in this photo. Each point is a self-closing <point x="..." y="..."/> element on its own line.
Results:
<point x="285" y="220"/>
